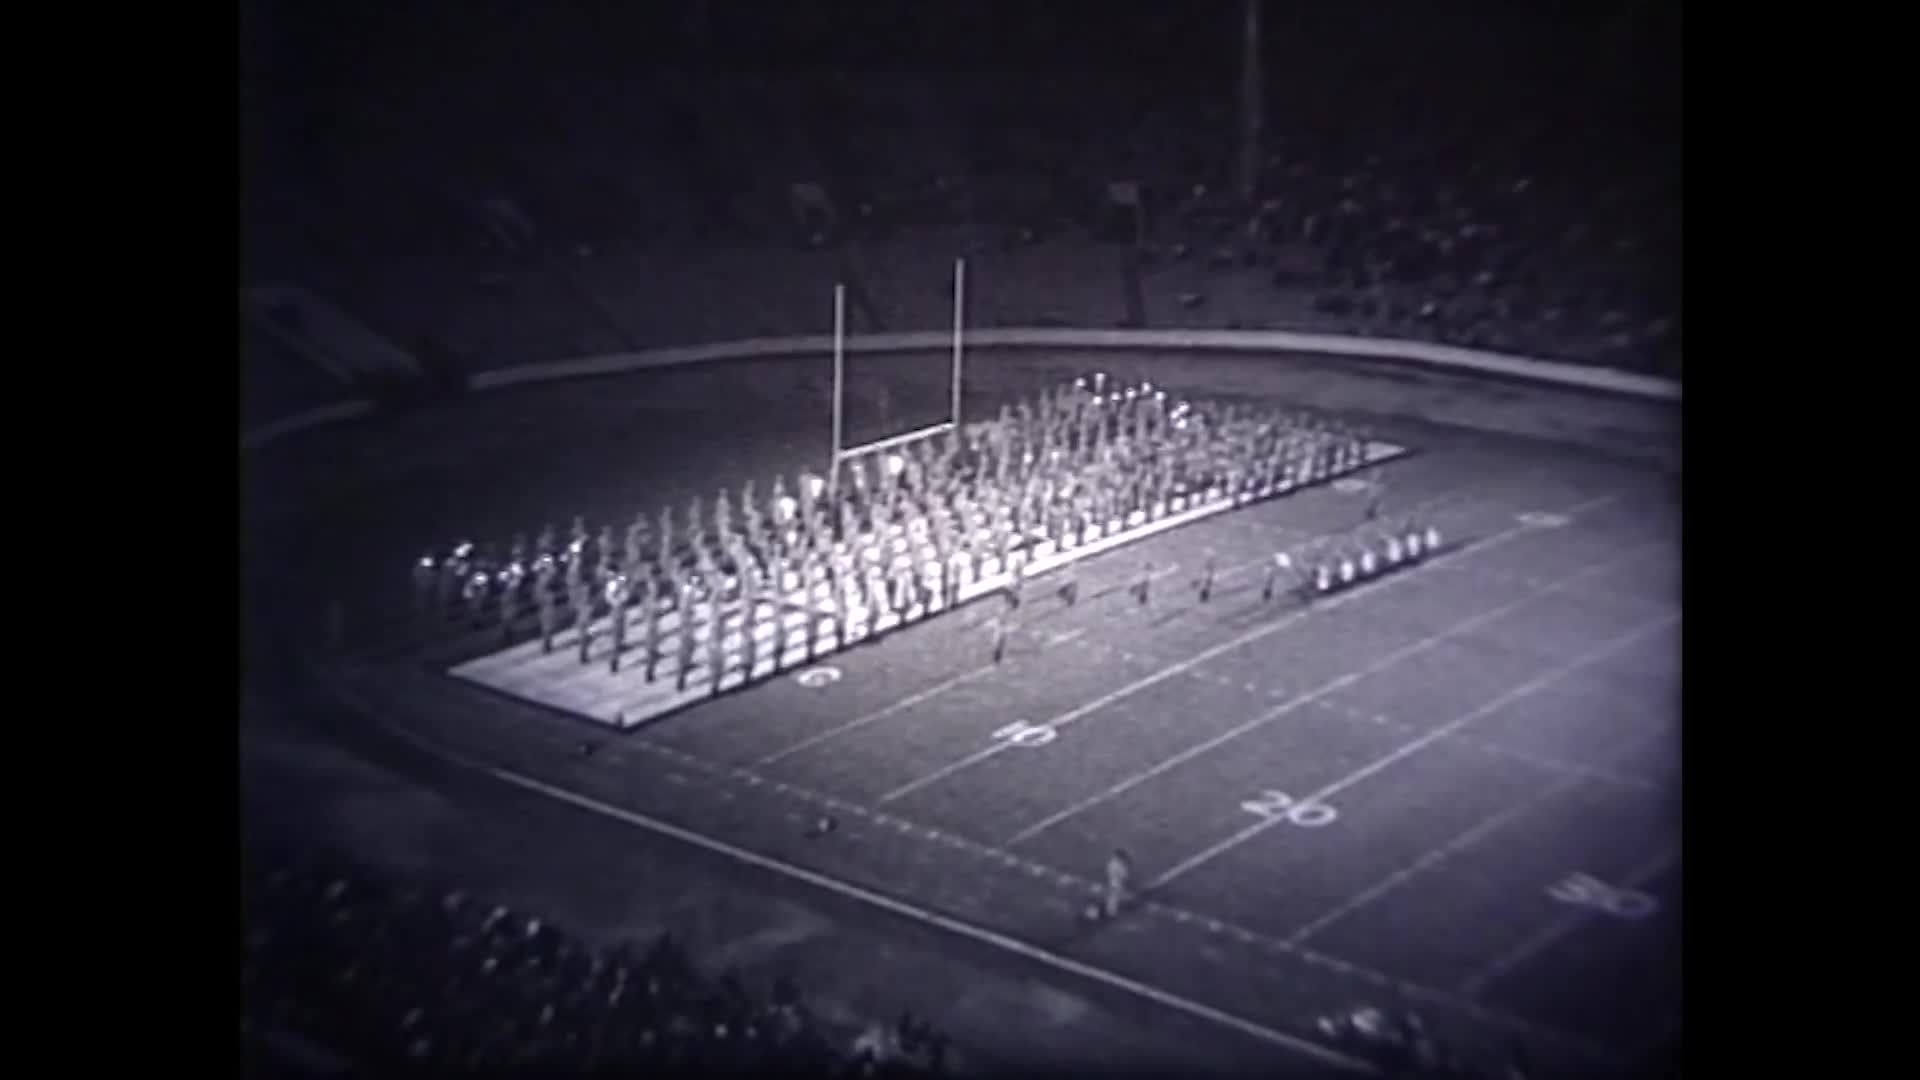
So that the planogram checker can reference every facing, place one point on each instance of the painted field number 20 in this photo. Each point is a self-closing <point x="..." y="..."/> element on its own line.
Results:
<point x="1021" y="733"/>
<point x="1583" y="890"/>
<point x="1280" y="806"/>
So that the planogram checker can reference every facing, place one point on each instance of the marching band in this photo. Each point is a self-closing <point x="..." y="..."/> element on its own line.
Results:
<point x="904" y="532"/>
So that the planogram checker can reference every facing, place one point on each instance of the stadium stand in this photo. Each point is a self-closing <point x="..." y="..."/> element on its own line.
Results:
<point x="1530" y="228"/>
<point x="345" y="969"/>
<point x="277" y="381"/>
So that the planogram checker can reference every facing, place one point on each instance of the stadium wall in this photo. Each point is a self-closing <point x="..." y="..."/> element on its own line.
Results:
<point x="1445" y="358"/>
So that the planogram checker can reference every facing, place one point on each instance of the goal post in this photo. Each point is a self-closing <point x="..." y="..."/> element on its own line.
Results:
<point x="842" y="452"/>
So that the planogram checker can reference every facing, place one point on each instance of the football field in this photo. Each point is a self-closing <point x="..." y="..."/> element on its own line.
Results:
<point x="1453" y="788"/>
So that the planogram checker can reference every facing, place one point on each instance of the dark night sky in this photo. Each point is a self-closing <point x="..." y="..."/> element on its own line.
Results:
<point x="304" y="49"/>
<point x="349" y="84"/>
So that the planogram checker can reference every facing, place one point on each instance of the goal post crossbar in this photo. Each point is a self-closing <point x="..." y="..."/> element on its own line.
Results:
<point x="892" y="441"/>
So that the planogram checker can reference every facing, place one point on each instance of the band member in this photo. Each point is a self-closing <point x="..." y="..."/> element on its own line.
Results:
<point x="1280" y="564"/>
<point x="582" y="602"/>
<point x="810" y="572"/>
<point x="475" y="594"/>
<point x="685" y="640"/>
<point x="782" y="634"/>
<point x="549" y="620"/>
<point x="749" y="640"/>
<point x="1143" y="589"/>
<point x="716" y="641"/>
<point x="453" y="573"/>
<point x="510" y="577"/>
<point x="1119" y="874"/>
<point x="633" y="548"/>
<point x="837" y="586"/>
<point x="617" y="611"/>
<point x="571" y="562"/>
<point x="603" y="548"/>
<point x="650" y="602"/>
<point x="696" y="534"/>
<point x="723" y="518"/>
<point x="424" y="577"/>
<point x="1206" y="580"/>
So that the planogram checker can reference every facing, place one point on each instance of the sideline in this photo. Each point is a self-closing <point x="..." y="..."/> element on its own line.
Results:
<point x="925" y="917"/>
<point x="1426" y="354"/>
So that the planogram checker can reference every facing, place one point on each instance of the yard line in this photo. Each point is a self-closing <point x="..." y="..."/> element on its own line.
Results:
<point x="1451" y="847"/>
<point x="904" y="703"/>
<point x="1551" y="764"/>
<point x="1366" y="589"/>
<point x="1441" y="732"/>
<point x="1566" y="768"/>
<point x="924" y="916"/>
<point x="1159" y="908"/>
<point x="1561" y="927"/>
<point x="1297" y="701"/>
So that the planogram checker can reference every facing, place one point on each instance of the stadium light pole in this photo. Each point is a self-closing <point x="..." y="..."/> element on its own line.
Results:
<point x="1252" y="94"/>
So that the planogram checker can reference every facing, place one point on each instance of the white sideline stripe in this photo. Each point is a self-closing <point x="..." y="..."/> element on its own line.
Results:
<point x="1243" y="341"/>
<point x="1451" y="847"/>
<point x="1441" y="732"/>
<point x="1364" y="589"/>
<point x="1298" y="700"/>
<point x="1560" y="928"/>
<point x="1306" y="954"/>
<point x="934" y="919"/>
<point x="907" y="702"/>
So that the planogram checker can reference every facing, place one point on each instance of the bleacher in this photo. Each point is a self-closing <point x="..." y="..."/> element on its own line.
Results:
<point x="346" y="969"/>
<point x="277" y="381"/>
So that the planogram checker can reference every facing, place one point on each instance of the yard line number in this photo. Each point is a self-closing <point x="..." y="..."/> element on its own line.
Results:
<point x="1280" y="806"/>
<point x="1021" y="733"/>
<point x="816" y="677"/>
<point x="1584" y="890"/>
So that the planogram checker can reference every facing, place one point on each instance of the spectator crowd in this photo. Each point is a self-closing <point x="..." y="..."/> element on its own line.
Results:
<point x="1507" y="182"/>
<point x="389" y="974"/>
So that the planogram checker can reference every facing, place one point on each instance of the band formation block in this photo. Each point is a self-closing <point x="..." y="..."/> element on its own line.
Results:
<point x="685" y="609"/>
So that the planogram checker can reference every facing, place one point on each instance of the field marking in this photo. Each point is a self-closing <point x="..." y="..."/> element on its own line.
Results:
<point x="1474" y="984"/>
<point x="818" y="677"/>
<point x="1452" y="847"/>
<point x="1530" y="686"/>
<point x="1289" y="705"/>
<point x="1597" y="595"/>
<point x="907" y="702"/>
<point x="1555" y="765"/>
<point x="894" y="906"/>
<point x="1367" y="588"/>
<point x="1157" y="908"/>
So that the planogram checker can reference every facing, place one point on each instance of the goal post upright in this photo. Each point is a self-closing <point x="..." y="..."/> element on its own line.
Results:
<point x="839" y="383"/>
<point x="842" y="453"/>
<point x="959" y="333"/>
